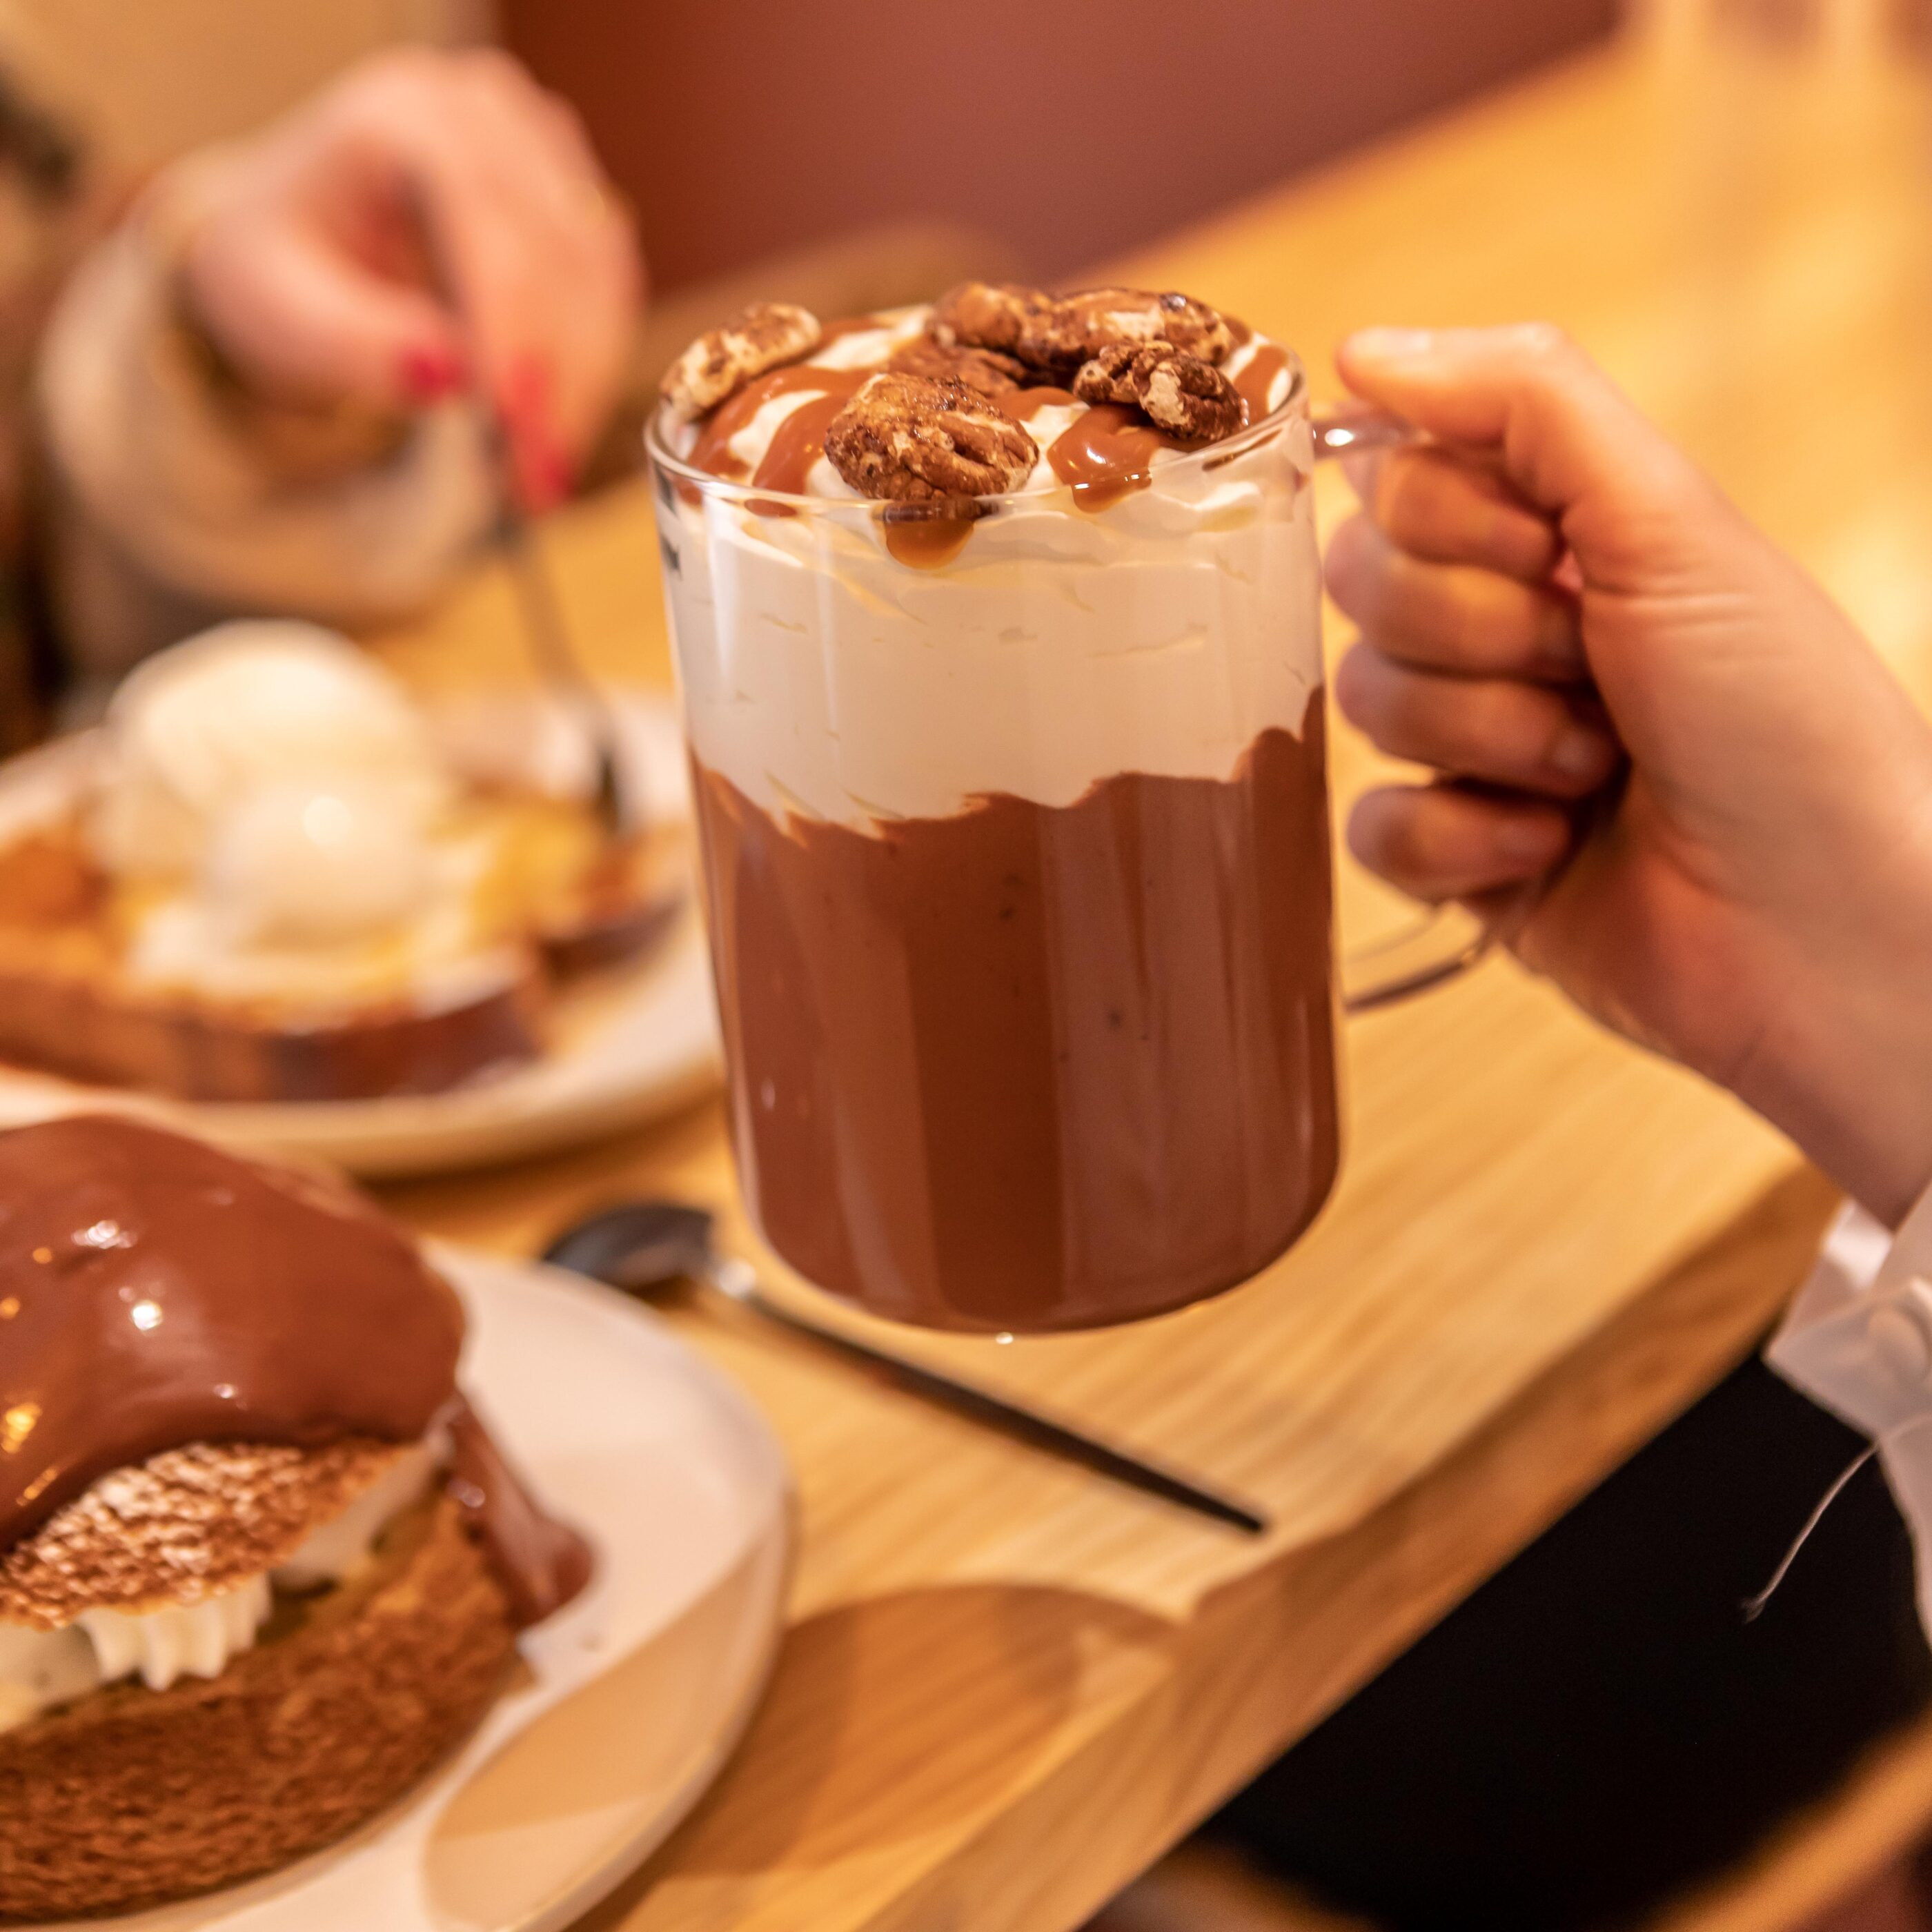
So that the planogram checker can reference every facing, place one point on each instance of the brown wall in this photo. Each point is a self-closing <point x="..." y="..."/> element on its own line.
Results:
<point x="1071" y="127"/>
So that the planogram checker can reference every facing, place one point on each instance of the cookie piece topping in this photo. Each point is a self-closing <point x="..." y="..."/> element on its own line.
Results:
<point x="988" y="370"/>
<point x="1188" y="397"/>
<point x="907" y="439"/>
<point x="1075" y="329"/>
<point x="986" y="315"/>
<point x="723" y="360"/>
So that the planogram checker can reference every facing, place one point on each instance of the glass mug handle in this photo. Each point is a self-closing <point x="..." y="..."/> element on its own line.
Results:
<point x="1445" y="942"/>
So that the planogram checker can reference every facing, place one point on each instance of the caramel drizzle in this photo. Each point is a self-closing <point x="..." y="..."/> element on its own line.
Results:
<point x="1105" y="454"/>
<point x="1255" y="382"/>
<point x="800" y="439"/>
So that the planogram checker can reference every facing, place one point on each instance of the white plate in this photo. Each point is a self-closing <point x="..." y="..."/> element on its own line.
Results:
<point x="631" y="1051"/>
<point x="637" y="1692"/>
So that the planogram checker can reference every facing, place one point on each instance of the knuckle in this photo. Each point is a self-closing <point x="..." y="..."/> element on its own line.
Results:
<point x="1357" y="677"/>
<point x="1544" y="342"/>
<point x="1413" y="835"/>
<point x="492" y="68"/>
<point x="406" y="74"/>
<point x="1349" y="564"/>
<point x="1402" y="493"/>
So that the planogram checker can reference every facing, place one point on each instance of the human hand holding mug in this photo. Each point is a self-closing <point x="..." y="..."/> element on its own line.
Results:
<point x="1593" y="649"/>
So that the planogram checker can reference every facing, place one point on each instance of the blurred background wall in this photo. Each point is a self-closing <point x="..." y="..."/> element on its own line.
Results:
<point x="1068" y="128"/>
<point x="153" y="76"/>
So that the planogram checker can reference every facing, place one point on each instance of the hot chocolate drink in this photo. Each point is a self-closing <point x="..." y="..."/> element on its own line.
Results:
<point x="997" y="629"/>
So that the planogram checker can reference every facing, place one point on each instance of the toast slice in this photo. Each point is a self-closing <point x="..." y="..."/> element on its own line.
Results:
<point x="547" y="897"/>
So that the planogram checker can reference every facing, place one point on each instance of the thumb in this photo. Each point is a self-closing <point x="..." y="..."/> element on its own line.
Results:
<point x="306" y="320"/>
<point x="1570" y="441"/>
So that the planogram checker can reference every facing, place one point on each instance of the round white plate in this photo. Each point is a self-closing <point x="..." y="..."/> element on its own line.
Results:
<point x="637" y="1047"/>
<point x="635" y="1694"/>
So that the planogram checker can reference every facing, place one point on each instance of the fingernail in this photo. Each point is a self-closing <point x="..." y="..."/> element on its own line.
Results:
<point x="1581" y="754"/>
<point x="1392" y="345"/>
<point x="525" y="393"/>
<point x="1529" y="841"/>
<point x="544" y="475"/>
<point x="430" y="370"/>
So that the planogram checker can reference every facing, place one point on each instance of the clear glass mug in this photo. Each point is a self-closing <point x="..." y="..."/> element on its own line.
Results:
<point x="1016" y="849"/>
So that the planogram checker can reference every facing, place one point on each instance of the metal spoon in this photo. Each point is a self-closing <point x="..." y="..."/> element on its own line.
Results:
<point x="643" y="1246"/>
<point x="516" y="538"/>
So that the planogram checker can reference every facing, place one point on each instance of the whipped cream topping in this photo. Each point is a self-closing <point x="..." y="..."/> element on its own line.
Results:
<point x="1062" y="645"/>
<point x="161" y="1643"/>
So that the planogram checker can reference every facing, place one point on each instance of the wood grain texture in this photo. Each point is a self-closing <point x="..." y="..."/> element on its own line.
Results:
<point x="1009" y="1687"/>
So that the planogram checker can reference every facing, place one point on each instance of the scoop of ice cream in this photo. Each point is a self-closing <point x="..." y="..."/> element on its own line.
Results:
<point x="196" y="731"/>
<point x="319" y="862"/>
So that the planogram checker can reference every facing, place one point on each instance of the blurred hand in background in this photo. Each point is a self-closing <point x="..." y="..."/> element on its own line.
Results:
<point x="1568" y="621"/>
<point x="316" y="256"/>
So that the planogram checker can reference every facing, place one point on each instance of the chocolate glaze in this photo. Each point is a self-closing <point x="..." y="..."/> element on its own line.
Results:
<point x="156" y="1291"/>
<point x="1029" y="1067"/>
<point x="540" y="1563"/>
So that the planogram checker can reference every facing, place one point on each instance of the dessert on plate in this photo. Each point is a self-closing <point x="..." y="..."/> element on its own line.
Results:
<point x="271" y="876"/>
<point x="997" y="631"/>
<point x="260" y="1565"/>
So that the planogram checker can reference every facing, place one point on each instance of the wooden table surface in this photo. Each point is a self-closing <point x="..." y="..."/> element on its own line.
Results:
<point x="1007" y="1686"/>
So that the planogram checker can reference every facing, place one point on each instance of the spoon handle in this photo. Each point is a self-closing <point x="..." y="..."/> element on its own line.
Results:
<point x="733" y="1279"/>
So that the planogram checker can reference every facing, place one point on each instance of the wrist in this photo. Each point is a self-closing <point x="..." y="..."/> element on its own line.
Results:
<point x="1873" y="1137"/>
<point x="1845" y="1067"/>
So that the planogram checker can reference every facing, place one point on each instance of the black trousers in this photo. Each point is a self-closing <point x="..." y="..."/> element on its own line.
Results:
<point x="1598" y="1725"/>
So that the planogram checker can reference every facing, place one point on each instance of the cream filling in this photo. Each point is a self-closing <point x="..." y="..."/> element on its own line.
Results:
<point x="40" y="1668"/>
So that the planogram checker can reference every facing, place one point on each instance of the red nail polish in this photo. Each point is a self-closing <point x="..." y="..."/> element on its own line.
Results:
<point x="525" y="388"/>
<point x="429" y="371"/>
<point x="544" y="475"/>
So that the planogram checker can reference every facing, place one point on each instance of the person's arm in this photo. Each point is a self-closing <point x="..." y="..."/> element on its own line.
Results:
<point x="1609" y="670"/>
<point x="254" y="397"/>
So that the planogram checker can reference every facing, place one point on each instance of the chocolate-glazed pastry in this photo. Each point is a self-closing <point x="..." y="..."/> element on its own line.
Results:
<point x="240" y="1497"/>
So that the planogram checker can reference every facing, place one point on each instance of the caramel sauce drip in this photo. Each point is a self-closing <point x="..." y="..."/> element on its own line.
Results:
<point x="927" y="543"/>
<point x="1023" y="405"/>
<point x="155" y="1292"/>
<point x="800" y="440"/>
<point x="1255" y="382"/>
<point x="1107" y="454"/>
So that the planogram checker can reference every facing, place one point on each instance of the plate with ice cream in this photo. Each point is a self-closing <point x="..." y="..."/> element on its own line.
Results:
<point x="273" y="895"/>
